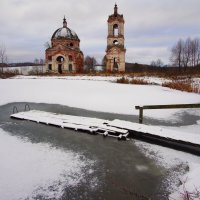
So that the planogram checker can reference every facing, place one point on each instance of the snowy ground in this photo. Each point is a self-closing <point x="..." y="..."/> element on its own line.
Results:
<point x="101" y="94"/>
<point x="28" y="169"/>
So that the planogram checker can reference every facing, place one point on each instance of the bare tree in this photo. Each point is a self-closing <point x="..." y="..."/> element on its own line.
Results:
<point x="41" y="61"/>
<point x="186" y="53"/>
<point x="153" y="63"/>
<point x="3" y="57"/>
<point x="198" y="55"/>
<point x="177" y="53"/>
<point x="90" y="62"/>
<point x="157" y="63"/>
<point x="36" y="61"/>
<point x="195" y="51"/>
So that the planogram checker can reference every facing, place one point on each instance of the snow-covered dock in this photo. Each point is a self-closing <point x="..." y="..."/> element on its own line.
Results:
<point x="91" y="125"/>
<point x="184" y="141"/>
<point x="117" y="128"/>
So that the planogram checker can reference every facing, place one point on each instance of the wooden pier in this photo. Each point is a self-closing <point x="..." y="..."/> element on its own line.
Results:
<point x="119" y="129"/>
<point x="90" y="125"/>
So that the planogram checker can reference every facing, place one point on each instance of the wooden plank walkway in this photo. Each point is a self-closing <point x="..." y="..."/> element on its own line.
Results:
<point x="117" y="128"/>
<point x="91" y="125"/>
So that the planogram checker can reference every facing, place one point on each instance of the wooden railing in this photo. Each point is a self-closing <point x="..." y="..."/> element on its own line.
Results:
<point x="172" y="106"/>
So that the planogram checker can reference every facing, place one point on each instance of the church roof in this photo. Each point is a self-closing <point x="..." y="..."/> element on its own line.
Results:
<point x="65" y="32"/>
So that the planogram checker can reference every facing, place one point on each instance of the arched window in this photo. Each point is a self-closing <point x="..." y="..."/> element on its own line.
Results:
<point x="115" y="30"/>
<point x="60" y="59"/>
<point x="115" y="42"/>
<point x="71" y="44"/>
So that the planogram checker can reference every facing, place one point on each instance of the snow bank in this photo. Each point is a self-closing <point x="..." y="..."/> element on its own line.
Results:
<point x="28" y="169"/>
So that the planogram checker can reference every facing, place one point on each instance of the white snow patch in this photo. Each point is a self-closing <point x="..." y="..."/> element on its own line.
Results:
<point x="28" y="169"/>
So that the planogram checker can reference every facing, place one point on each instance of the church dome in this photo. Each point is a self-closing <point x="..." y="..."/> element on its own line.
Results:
<point x="65" y="32"/>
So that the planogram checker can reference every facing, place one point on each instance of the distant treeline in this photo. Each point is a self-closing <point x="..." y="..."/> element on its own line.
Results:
<point x="24" y="64"/>
<point x="140" y="68"/>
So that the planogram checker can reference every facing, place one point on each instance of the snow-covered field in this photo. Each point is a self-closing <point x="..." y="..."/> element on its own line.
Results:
<point x="101" y="94"/>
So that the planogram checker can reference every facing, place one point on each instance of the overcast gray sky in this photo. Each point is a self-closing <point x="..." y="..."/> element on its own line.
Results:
<point x="152" y="27"/>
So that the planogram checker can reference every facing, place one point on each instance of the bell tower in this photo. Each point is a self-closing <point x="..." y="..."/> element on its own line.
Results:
<point x="115" y="51"/>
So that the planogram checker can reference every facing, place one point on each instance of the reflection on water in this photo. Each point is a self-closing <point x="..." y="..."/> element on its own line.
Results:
<point x="110" y="169"/>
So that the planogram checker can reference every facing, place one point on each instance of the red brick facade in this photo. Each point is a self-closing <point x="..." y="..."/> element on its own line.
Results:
<point x="64" y="55"/>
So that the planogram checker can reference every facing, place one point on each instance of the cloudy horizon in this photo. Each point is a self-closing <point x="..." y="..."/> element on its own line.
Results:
<point x="152" y="27"/>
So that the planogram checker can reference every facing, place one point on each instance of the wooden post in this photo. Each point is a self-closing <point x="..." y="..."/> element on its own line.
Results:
<point x="141" y="115"/>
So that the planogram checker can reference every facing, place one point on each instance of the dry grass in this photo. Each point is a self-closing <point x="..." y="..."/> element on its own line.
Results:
<point x="185" y="85"/>
<point x="186" y="195"/>
<point x="179" y="83"/>
<point x="124" y="80"/>
<point x="7" y="75"/>
<point x="139" y="82"/>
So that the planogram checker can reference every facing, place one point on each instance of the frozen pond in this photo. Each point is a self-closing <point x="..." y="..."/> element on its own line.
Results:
<point x="46" y="162"/>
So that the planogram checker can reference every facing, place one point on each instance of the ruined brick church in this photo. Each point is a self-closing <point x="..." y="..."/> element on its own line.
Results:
<point x="65" y="55"/>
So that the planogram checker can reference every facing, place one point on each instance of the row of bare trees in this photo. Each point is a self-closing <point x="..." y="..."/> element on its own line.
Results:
<point x="157" y="63"/>
<point x="186" y="53"/>
<point x="39" y="61"/>
<point x="3" y="57"/>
